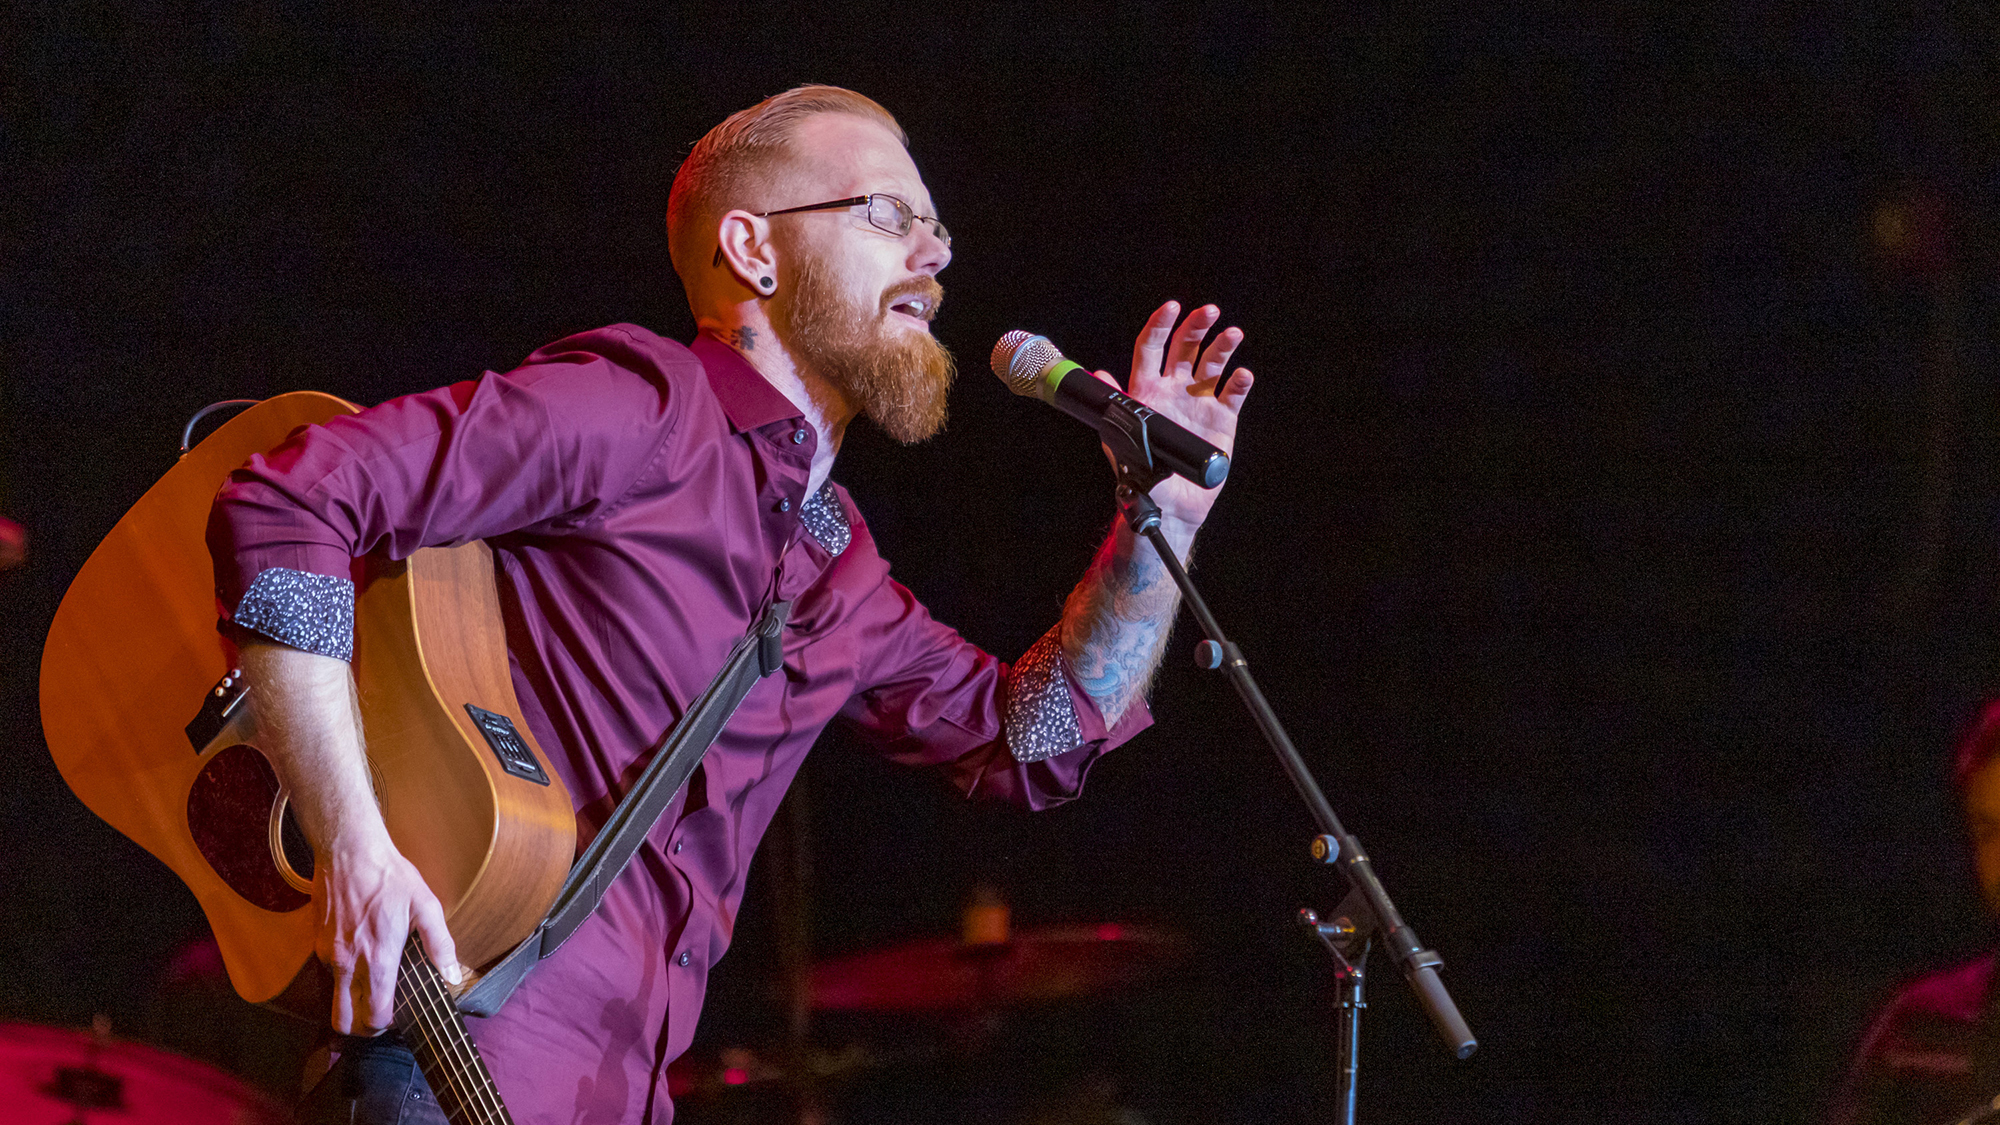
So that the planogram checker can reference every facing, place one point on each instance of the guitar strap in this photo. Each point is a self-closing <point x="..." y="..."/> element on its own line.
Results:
<point x="758" y="654"/>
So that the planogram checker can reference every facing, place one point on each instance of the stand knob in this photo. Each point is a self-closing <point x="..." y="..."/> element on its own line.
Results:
<point x="1208" y="656"/>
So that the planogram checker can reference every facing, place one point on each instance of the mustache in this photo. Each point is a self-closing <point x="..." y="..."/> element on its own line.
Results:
<point x="926" y="288"/>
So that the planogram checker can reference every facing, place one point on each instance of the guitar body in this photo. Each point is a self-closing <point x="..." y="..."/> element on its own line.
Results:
<point x="145" y="718"/>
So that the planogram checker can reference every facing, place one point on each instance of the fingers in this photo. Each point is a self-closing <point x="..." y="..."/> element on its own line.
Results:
<point x="1208" y="374"/>
<point x="1173" y="353"/>
<point x="1232" y="393"/>
<point x="343" y="998"/>
<point x="1187" y="340"/>
<point x="364" y="968"/>
<point x="437" y="939"/>
<point x="1151" y="348"/>
<point x="362" y="938"/>
<point x="376" y="1000"/>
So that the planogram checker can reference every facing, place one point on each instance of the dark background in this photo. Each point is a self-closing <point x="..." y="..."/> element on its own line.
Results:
<point x="1614" y="520"/>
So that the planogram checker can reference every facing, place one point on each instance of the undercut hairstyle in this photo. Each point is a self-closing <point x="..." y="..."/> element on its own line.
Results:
<point x="1979" y="745"/>
<point x="722" y="170"/>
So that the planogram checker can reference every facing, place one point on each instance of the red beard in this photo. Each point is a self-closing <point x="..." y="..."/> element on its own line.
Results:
<point x="898" y="379"/>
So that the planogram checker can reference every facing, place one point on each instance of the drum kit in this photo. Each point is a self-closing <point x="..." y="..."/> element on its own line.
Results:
<point x="1031" y="967"/>
<point x="952" y="997"/>
<point x="50" y="1076"/>
<point x="57" y="1077"/>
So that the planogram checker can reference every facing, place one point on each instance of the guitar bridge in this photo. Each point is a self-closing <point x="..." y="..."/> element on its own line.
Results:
<point x="507" y="744"/>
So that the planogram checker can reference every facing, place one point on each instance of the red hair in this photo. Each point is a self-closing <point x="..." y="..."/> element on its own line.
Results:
<point x="724" y="168"/>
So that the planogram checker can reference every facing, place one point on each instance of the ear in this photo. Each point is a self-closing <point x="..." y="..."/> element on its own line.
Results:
<point x="745" y="249"/>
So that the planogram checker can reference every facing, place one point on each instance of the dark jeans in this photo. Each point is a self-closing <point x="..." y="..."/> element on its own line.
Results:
<point x="375" y="1082"/>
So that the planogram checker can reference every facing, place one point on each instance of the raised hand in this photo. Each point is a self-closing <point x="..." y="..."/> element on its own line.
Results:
<point x="1114" y="626"/>
<point x="1174" y="374"/>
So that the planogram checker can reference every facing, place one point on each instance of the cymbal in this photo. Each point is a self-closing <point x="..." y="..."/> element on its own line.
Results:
<point x="55" y="1077"/>
<point x="1034" y="966"/>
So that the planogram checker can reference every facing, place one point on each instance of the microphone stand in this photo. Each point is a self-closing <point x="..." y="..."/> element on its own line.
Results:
<point x="1366" y="913"/>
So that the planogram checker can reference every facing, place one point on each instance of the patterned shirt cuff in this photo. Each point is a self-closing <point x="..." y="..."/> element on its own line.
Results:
<point x="1041" y="717"/>
<point x="314" y="612"/>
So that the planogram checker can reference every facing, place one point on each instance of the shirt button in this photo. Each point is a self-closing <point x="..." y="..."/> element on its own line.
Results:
<point x="785" y="505"/>
<point x="683" y="957"/>
<point x="799" y="436"/>
<point x="678" y="845"/>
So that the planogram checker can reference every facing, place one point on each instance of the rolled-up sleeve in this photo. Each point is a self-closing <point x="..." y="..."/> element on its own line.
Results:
<point x="930" y="697"/>
<point x="560" y="438"/>
<point x="313" y="612"/>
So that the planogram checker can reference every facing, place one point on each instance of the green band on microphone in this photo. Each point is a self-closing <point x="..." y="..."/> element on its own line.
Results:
<point x="1054" y="376"/>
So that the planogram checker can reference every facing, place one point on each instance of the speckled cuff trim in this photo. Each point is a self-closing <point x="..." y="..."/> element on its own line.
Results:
<point x="314" y="612"/>
<point x="1041" y="718"/>
<point x="826" y="519"/>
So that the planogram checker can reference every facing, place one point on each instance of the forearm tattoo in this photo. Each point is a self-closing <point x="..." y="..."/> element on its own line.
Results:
<point x="1115" y="624"/>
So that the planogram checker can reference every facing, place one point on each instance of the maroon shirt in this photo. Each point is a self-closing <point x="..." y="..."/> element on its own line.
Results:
<point x="643" y="501"/>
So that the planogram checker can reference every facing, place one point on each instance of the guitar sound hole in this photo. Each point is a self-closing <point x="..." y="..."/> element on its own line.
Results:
<point x="298" y="852"/>
<point x="229" y="817"/>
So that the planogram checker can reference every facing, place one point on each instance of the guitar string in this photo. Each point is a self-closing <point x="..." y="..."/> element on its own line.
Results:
<point x="440" y="1033"/>
<point x="430" y="1038"/>
<point x="449" y="1033"/>
<point x="427" y="1061"/>
<point x="432" y="1009"/>
<point x="446" y="1011"/>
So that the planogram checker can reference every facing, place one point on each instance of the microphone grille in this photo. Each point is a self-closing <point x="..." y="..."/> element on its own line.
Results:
<point x="1021" y="358"/>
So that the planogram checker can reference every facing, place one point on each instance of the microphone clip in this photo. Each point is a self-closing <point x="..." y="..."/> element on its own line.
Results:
<point x="1137" y="510"/>
<point x="1123" y="430"/>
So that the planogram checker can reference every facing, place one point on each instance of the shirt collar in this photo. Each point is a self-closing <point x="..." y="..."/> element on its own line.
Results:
<point x="749" y="399"/>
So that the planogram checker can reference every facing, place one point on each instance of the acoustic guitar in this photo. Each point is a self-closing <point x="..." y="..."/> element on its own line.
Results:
<point x="150" y="724"/>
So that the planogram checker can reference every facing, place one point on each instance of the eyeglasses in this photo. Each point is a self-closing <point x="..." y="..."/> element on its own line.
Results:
<point x="886" y="213"/>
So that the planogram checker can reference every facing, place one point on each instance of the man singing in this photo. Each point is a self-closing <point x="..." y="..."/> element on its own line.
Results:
<point x="645" y="501"/>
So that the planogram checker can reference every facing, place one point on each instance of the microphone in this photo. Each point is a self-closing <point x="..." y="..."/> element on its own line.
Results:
<point x="1032" y="366"/>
